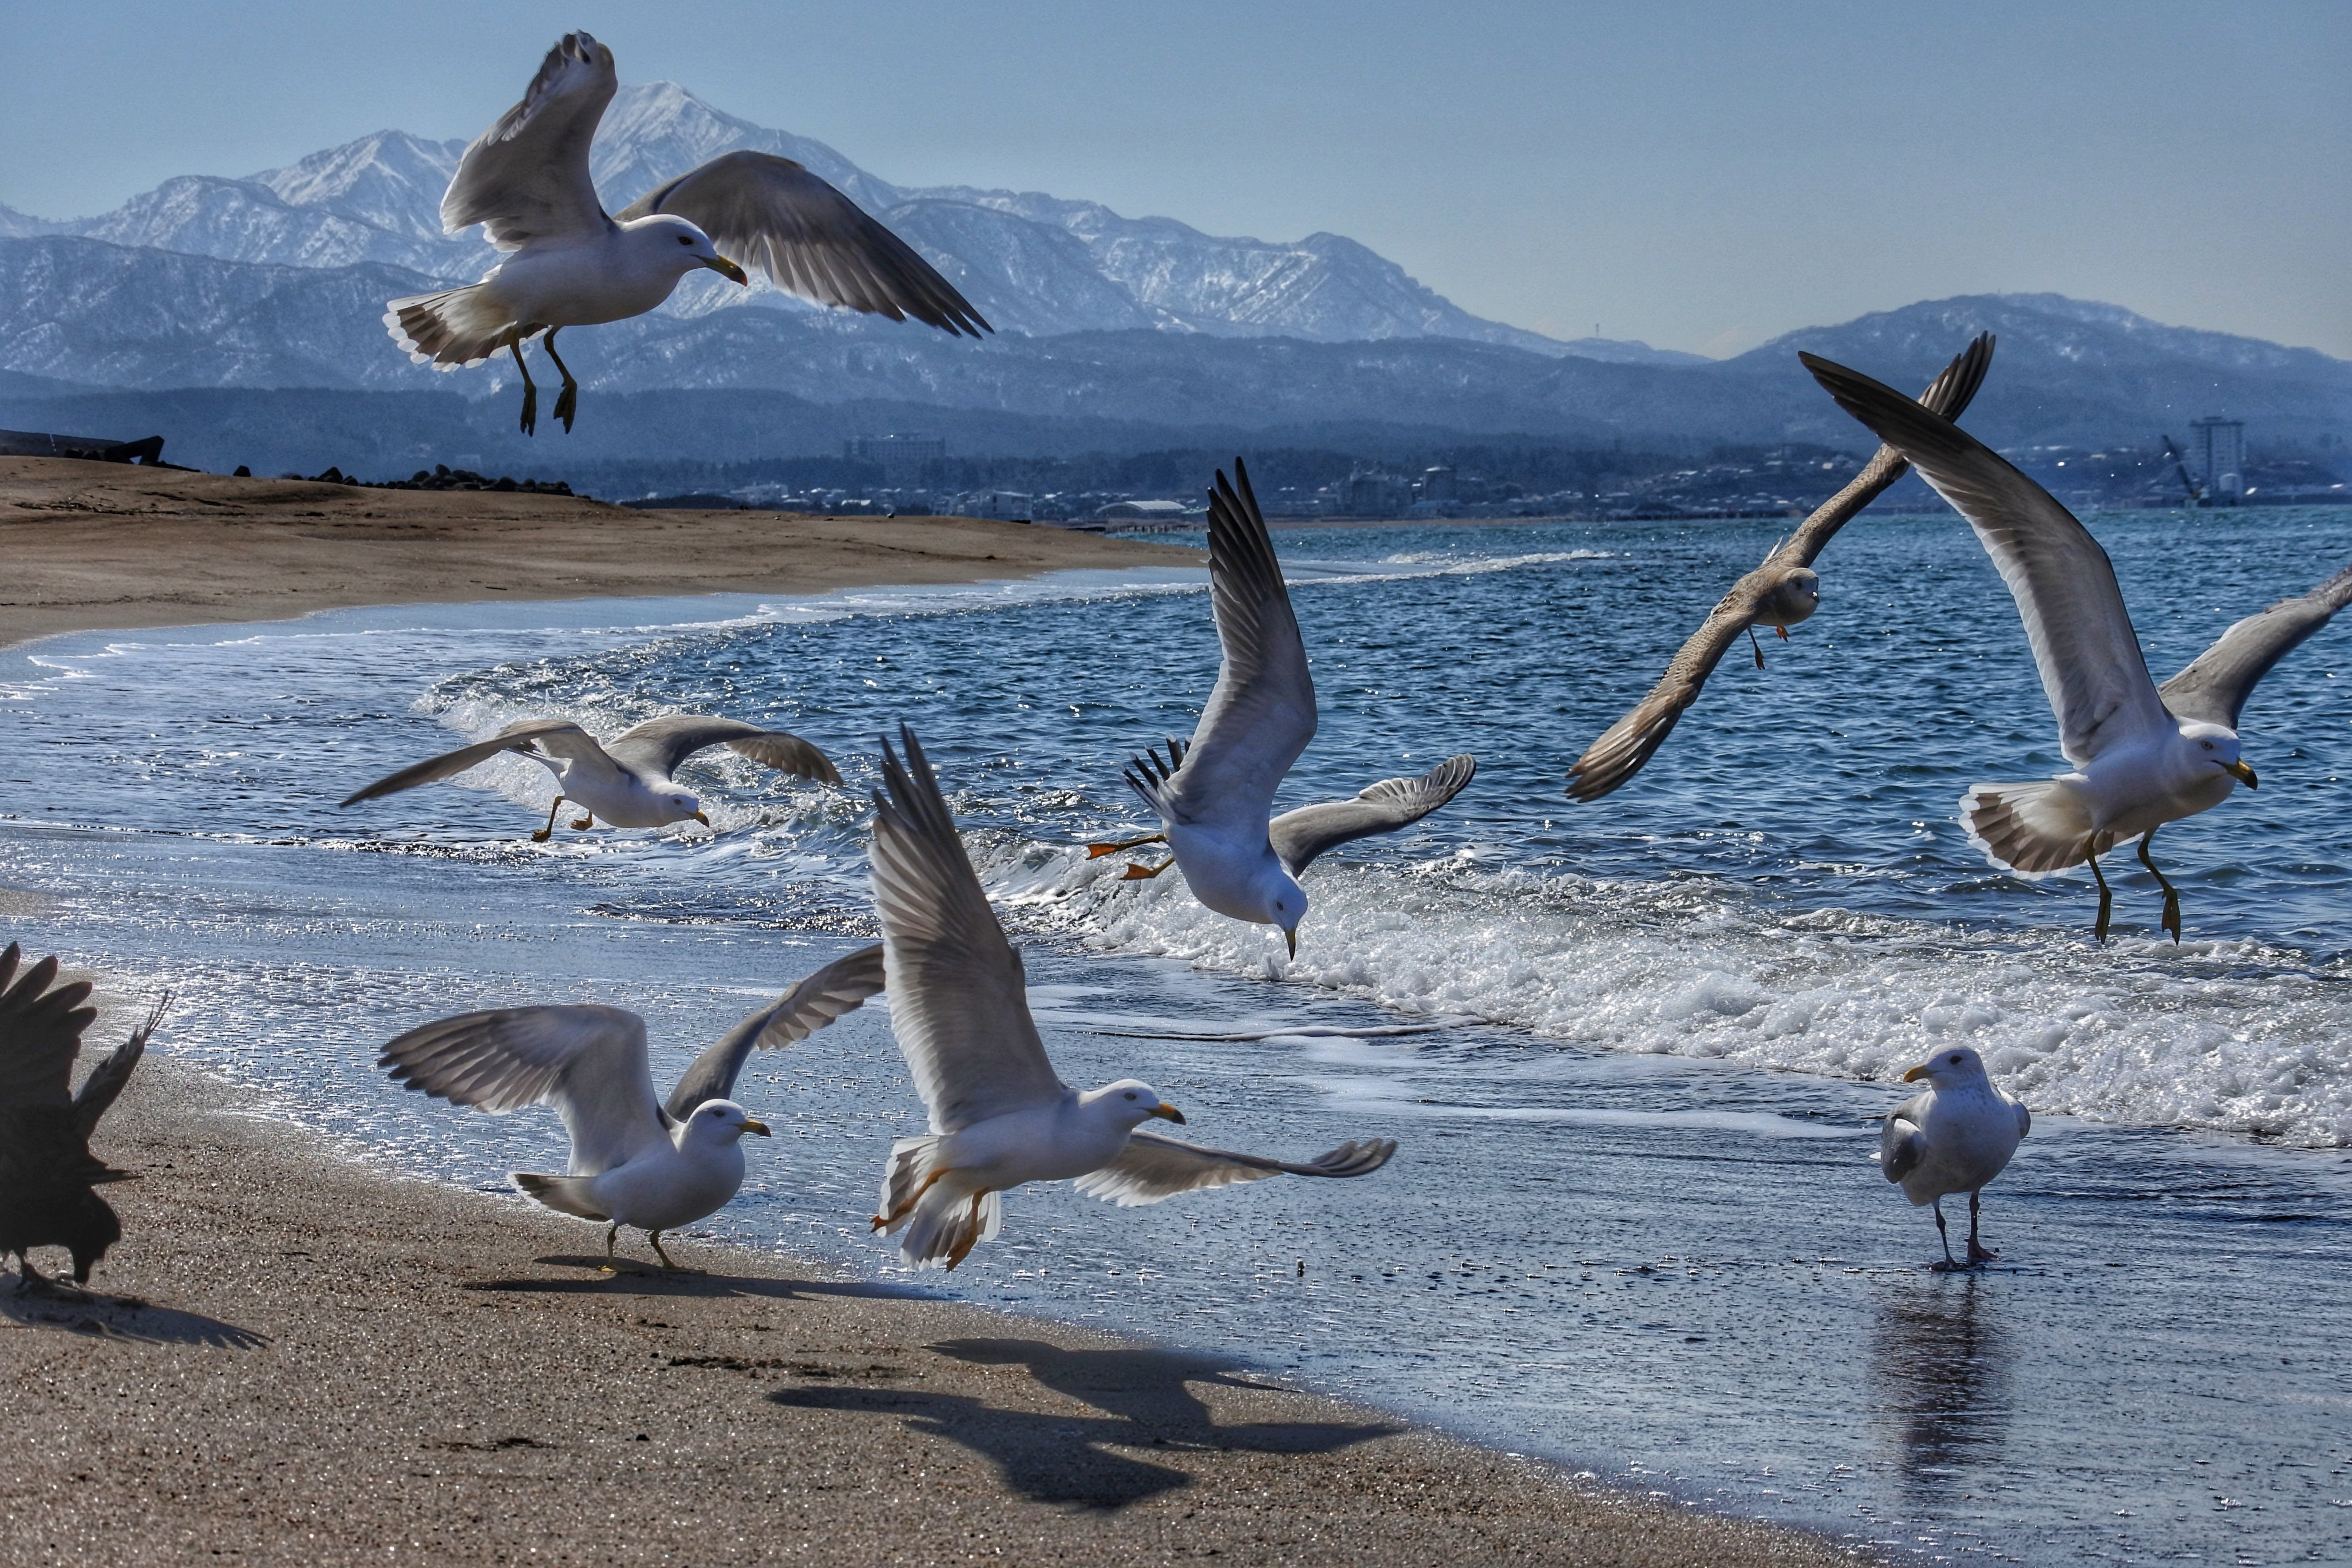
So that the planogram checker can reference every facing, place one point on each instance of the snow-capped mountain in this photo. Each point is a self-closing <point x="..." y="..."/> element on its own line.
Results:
<point x="1033" y="264"/>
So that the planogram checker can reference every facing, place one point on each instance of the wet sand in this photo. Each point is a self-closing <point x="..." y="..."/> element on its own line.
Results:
<point x="97" y="546"/>
<point x="305" y="1360"/>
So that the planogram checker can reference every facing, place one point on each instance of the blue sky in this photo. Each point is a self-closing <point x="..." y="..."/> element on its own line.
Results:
<point x="1701" y="175"/>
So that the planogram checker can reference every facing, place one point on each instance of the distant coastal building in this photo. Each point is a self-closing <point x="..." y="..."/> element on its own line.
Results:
<point x="1371" y="494"/>
<point x="2217" y="448"/>
<point x="1144" y="514"/>
<point x="898" y="456"/>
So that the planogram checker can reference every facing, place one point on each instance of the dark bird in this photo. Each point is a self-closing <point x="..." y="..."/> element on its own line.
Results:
<point x="1780" y="593"/>
<point x="48" y="1175"/>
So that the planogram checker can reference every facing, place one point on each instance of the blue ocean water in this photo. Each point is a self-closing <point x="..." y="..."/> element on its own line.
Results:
<point x="1633" y="1050"/>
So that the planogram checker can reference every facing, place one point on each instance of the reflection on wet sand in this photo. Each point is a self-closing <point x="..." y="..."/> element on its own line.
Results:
<point x="1942" y="1358"/>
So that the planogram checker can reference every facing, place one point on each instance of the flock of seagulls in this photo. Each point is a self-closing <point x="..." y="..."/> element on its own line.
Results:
<point x="999" y="1116"/>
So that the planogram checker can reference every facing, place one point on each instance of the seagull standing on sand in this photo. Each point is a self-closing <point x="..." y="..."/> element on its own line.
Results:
<point x="525" y="180"/>
<point x="1217" y="793"/>
<point x="999" y="1115"/>
<point x="2142" y="756"/>
<point x="1780" y="593"/>
<point x="635" y="1160"/>
<point x="1954" y="1137"/>
<point x="47" y="1171"/>
<point x="628" y="783"/>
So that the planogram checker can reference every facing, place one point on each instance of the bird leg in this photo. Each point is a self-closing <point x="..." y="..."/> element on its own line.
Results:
<point x="1782" y="631"/>
<point x="882" y="1221"/>
<point x="1096" y="851"/>
<point x="581" y="824"/>
<point x="567" y="402"/>
<point x="1978" y="1252"/>
<point x="667" y="1264"/>
<point x="1949" y="1264"/>
<point x="548" y="832"/>
<point x="2107" y="897"/>
<point x="1757" y="646"/>
<point x="529" y="391"/>
<point x="30" y="1280"/>
<point x="2171" y="895"/>
<point x="1145" y="873"/>
<point x="963" y="1249"/>
<point x="611" y="1263"/>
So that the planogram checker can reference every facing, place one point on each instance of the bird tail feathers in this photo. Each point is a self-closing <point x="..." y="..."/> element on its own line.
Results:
<point x="457" y="326"/>
<point x="947" y="1224"/>
<point x="909" y="1174"/>
<point x="2032" y="829"/>
<point x="565" y="1194"/>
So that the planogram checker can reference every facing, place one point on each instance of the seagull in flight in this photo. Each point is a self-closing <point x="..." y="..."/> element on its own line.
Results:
<point x="1780" y="593"/>
<point x="1955" y="1136"/>
<point x="2142" y="755"/>
<point x="999" y="1115"/>
<point x="628" y="783"/>
<point x="637" y="1159"/>
<point x="1215" y="794"/>
<point x="569" y="264"/>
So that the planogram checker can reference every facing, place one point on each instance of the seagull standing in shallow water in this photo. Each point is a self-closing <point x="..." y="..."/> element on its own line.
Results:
<point x="2142" y="755"/>
<point x="635" y="1160"/>
<point x="1955" y="1136"/>
<point x="1217" y="793"/>
<point x="525" y="180"/>
<point x="999" y="1115"/>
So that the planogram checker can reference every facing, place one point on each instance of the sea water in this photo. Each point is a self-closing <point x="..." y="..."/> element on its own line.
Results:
<point x="1635" y="1050"/>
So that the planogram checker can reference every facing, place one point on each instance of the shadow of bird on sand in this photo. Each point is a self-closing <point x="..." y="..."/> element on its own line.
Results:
<point x="632" y="1278"/>
<point x="124" y="1318"/>
<point x="1147" y="1400"/>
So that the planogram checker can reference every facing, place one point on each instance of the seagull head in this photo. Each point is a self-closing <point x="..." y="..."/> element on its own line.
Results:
<point x="1130" y="1102"/>
<point x="1797" y="596"/>
<point x="1284" y="901"/>
<point x="686" y="246"/>
<point x="718" y="1122"/>
<point x="684" y="806"/>
<point x="2212" y="743"/>
<point x="1950" y="1067"/>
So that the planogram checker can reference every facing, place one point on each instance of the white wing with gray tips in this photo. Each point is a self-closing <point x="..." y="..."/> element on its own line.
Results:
<point x="660" y="746"/>
<point x="589" y="1062"/>
<point x="1383" y="807"/>
<point x="526" y="178"/>
<point x="2215" y="686"/>
<point x="837" y="989"/>
<point x="1152" y="1169"/>
<point x="557" y="737"/>
<point x="2091" y="667"/>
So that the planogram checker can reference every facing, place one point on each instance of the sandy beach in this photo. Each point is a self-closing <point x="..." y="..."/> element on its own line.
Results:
<point x="93" y="545"/>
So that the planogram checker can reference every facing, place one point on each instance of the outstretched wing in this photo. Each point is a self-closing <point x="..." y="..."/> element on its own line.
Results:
<point x="810" y="239"/>
<point x="2215" y="686"/>
<point x="1632" y="740"/>
<point x="1301" y="835"/>
<point x="2091" y="667"/>
<point x="40" y="1033"/>
<point x="958" y="1004"/>
<point x="840" y="988"/>
<point x="1262" y="714"/>
<point x="526" y="178"/>
<point x="107" y="1080"/>
<point x="563" y="737"/>
<point x="589" y="1062"/>
<point x="1152" y="1169"/>
<point x="660" y="744"/>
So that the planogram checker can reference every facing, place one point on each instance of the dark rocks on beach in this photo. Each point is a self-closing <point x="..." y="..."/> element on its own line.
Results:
<point x="440" y="477"/>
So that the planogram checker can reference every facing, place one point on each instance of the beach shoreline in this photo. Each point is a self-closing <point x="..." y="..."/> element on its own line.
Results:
<point x="301" y="1358"/>
<point x="98" y="547"/>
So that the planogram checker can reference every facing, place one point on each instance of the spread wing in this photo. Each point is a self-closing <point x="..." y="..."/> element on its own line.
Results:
<point x="40" y="1033"/>
<point x="840" y="988"/>
<point x="1262" y="714"/>
<point x="1301" y="835"/>
<point x="958" y="1004"/>
<point x="526" y="178"/>
<point x="1632" y="740"/>
<point x="2091" y="667"/>
<point x="2215" y="686"/>
<point x="589" y="1062"/>
<point x="660" y="744"/>
<point x="1152" y="1168"/>
<point x="560" y="736"/>
<point x="107" y="1080"/>
<point x="1901" y="1145"/>
<point x="810" y="239"/>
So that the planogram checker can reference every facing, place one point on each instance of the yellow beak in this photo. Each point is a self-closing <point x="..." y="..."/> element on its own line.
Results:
<point x="2244" y="774"/>
<point x="759" y="1127"/>
<point x="1915" y="1073"/>
<point x="703" y="819"/>
<point x="1168" y="1113"/>
<point x="725" y="268"/>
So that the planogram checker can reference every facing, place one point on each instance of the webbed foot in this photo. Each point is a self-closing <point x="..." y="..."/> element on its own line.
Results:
<point x="1145" y="873"/>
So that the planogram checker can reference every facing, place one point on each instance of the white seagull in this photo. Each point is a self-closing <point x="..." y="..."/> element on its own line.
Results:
<point x="2142" y="755"/>
<point x="635" y="1159"/>
<point x="1954" y="1137"/>
<point x="628" y="783"/>
<point x="999" y="1115"/>
<point x="1215" y="794"/>
<point x="525" y="180"/>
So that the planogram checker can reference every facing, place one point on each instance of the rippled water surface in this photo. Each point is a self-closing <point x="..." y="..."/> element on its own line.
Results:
<point x="1633" y="1050"/>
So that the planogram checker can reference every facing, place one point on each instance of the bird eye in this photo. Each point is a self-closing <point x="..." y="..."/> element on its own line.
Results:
<point x="2208" y="745"/>
<point x="1131" y="1096"/>
<point x="686" y="239"/>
